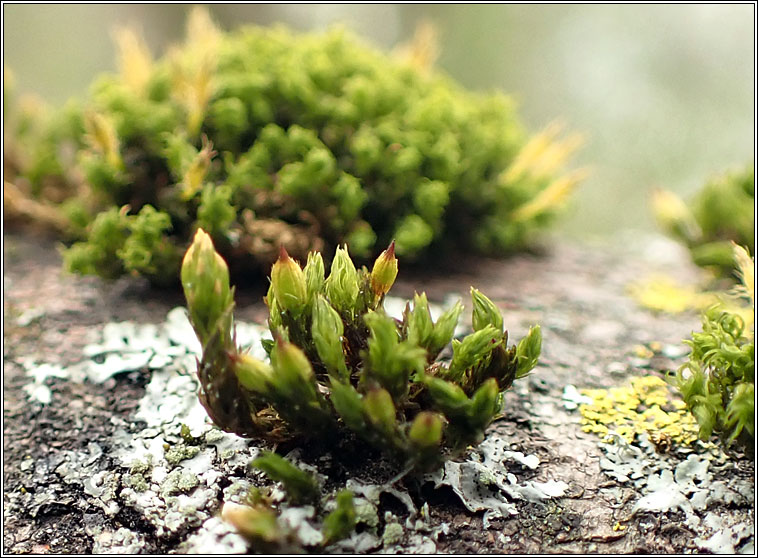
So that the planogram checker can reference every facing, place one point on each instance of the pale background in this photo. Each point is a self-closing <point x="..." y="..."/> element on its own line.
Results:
<point x="665" y="95"/>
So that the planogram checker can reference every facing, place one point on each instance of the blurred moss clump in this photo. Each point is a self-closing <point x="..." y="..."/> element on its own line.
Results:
<point x="263" y="138"/>
<point x="722" y="212"/>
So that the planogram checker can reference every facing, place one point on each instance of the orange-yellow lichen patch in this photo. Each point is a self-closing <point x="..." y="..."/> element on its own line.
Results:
<point x="646" y="406"/>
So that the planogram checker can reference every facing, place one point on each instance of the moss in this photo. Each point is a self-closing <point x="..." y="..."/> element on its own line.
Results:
<point x="718" y="380"/>
<point x="265" y="137"/>
<point x="722" y="212"/>
<point x="340" y="367"/>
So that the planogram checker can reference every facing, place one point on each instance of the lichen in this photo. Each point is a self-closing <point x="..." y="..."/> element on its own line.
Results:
<point x="484" y="482"/>
<point x="179" y="452"/>
<point x="136" y="481"/>
<point x="179" y="481"/>
<point x="366" y="514"/>
<point x="679" y="480"/>
<point x="663" y="294"/>
<point x="646" y="406"/>
<point x="393" y="533"/>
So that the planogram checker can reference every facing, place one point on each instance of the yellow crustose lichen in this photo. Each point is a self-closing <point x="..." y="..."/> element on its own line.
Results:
<point x="645" y="406"/>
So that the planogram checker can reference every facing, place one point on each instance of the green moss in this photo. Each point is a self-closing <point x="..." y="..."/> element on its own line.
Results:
<point x="342" y="520"/>
<point x="341" y="367"/>
<point x="722" y="212"/>
<point x="300" y="486"/>
<point x="265" y="137"/>
<point x="718" y="380"/>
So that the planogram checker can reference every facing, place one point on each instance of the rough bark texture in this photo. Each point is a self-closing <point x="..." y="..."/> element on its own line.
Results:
<point x="591" y="330"/>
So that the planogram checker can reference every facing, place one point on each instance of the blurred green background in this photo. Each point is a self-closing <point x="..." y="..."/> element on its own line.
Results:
<point x="664" y="94"/>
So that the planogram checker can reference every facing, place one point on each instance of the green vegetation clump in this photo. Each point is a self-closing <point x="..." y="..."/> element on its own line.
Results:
<point x="263" y="138"/>
<point x="261" y="524"/>
<point x="721" y="213"/>
<point x="340" y="367"/>
<point x="718" y="381"/>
